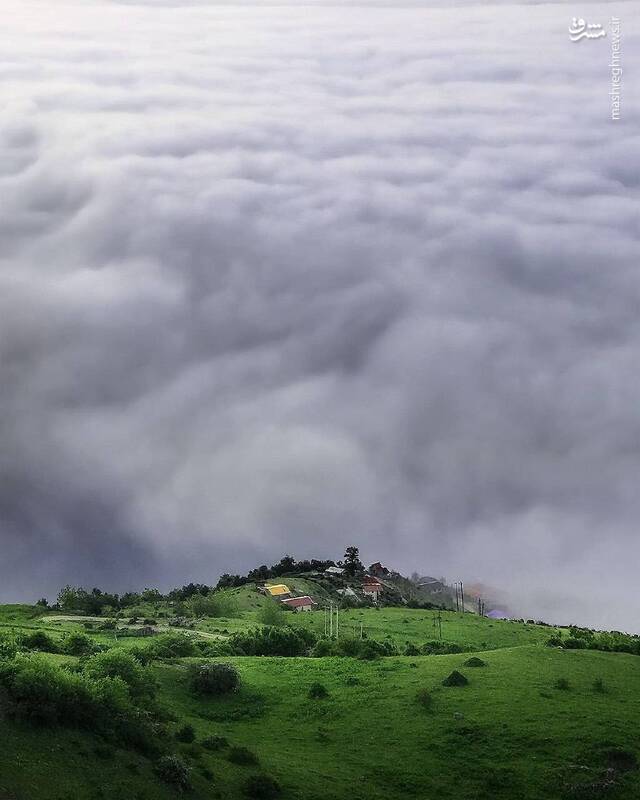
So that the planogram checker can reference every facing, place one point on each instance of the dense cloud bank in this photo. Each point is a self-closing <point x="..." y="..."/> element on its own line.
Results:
<point x="286" y="279"/>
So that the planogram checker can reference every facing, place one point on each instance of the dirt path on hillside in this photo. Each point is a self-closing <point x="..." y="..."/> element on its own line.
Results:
<point x="158" y="628"/>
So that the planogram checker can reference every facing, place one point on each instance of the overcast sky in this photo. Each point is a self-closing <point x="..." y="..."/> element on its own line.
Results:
<point x="287" y="279"/>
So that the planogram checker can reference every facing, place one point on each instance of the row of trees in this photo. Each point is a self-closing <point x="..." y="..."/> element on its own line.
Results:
<point x="285" y="566"/>
<point x="97" y="602"/>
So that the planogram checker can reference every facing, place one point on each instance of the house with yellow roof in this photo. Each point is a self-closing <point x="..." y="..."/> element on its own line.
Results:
<point x="279" y="591"/>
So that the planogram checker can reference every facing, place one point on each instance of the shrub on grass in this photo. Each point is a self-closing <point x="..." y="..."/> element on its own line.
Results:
<point x="269" y="641"/>
<point x="171" y="770"/>
<point x="262" y="787"/>
<point x="172" y="645"/>
<point x="323" y="648"/>
<point x="37" y="690"/>
<point x="436" y="647"/>
<point x="118" y="663"/>
<point x="186" y="734"/>
<point x="214" y="678"/>
<point x="318" y="691"/>
<point x="272" y="614"/>
<point x="42" y="692"/>
<point x="215" y="743"/>
<point x="77" y="644"/>
<point x="411" y="650"/>
<point x="573" y="643"/>
<point x="455" y="679"/>
<point x="425" y="699"/>
<point x="39" y="640"/>
<point x="621" y="760"/>
<point x="8" y="647"/>
<point x="242" y="756"/>
<point x="598" y="686"/>
<point x="371" y="650"/>
<point x="474" y="661"/>
<point x="562" y="684"/>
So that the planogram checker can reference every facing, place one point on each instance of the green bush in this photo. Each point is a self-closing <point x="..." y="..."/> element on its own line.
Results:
<point x="562" y="684"/>
<point x="455" y="679"/>
<point x="172" y="645"/>
<point x="598" y="686"/>
<point x="117" y="663"/>
<point x="214" y="678"/>
<point x="215" y="743"/>
<point x="411" y="650"/>
<point x="39" y="691"/>
<point x="366" y="649"/>
<point x="425" y="699"/>
<point x="186" y="734"/>
<point x="436" y="647"/>
<point x="77" y="644"/>
<point x="573" y="643"/>
<point x="318" y="691"/>
<point x="173" y="771"/>
<point x="323" y="648"/>
<point x="272" y="614"/>
<point x="262" y="787"/>
<point x="370" y="649"/>
<point x="269" y="641"/>
<point x="218" y="604"/>
<point x="474" y="661"/>
<point x="242" y="756"/>
<point x="39" y="640"/>
<point x="8" y="647"/>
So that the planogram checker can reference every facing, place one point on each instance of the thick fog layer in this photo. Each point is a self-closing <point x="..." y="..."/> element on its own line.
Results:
<point x="286" y="279"/>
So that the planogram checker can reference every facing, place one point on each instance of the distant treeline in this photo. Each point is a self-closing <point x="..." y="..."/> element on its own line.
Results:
<point x="96" y="602"/>
<point x="285" y="566"/>
<point x="588" y="639"/>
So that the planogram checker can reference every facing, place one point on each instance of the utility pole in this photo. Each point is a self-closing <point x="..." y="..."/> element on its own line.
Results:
<point x="331" y="620"/>
<point x="361" y="631"/>
<point x="462" y="595"/>
<point x="440" y="623"/>
<point x="337" y="629"/>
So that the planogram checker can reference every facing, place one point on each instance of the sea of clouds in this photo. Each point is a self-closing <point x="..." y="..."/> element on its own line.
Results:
<point x="282" y="279"/>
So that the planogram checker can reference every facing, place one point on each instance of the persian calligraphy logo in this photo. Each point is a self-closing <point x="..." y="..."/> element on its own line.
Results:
<point x="579" y="29"/>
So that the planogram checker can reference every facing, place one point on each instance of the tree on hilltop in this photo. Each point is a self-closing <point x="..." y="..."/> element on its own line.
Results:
<point x="352" y="563"/>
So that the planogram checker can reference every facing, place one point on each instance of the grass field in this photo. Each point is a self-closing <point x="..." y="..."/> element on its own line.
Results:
<point x="509" y="734"/>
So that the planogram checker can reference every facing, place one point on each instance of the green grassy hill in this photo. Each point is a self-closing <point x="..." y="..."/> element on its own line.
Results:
<point x="510" y="733"/>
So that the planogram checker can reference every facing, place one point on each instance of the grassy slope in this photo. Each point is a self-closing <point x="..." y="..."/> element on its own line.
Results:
<point x="509" y="734"/>
<point x="405" y="625"/>
<point x="516" y="737"/>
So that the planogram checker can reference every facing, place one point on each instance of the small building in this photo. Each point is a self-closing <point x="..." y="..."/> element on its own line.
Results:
<point x="348" y="592"/>
<point x="334" y="571"/>
<point x="431" y="585"/>
<point x="372" y="588"/>
<point x="299" y="603"/>
<point x="278" y="590"/>
<point x="378" y="570"/>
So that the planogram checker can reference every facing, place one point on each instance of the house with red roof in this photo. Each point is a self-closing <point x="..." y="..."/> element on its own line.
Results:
<point x="304" y="603"/>
<point x="372" y="587"/>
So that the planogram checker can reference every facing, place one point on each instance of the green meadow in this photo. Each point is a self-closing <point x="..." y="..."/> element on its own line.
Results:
<point x="533" y="722"/>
